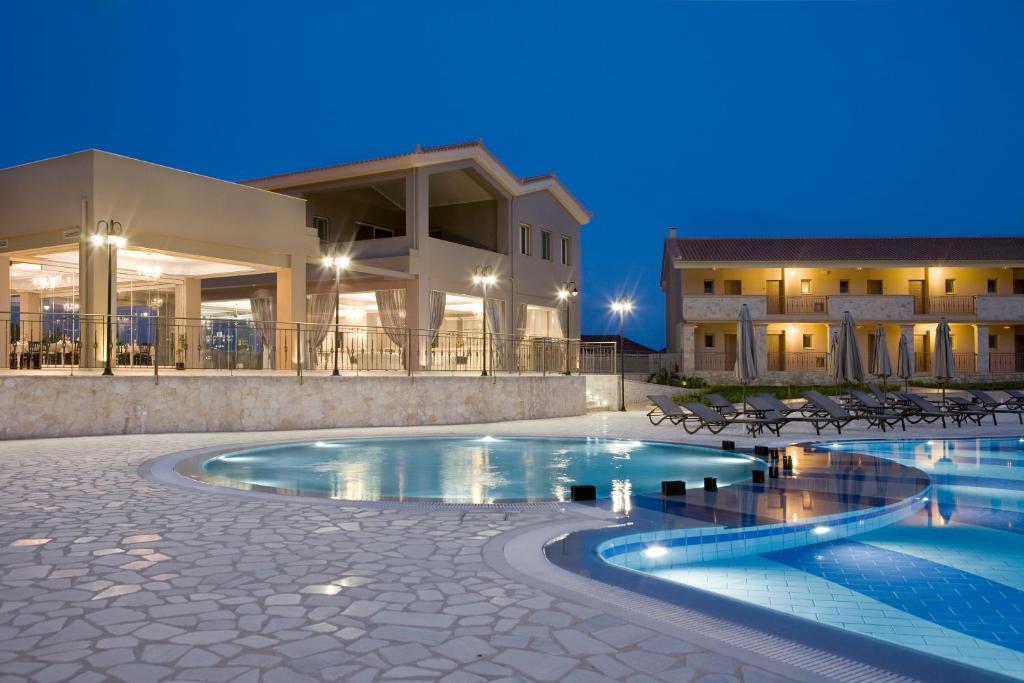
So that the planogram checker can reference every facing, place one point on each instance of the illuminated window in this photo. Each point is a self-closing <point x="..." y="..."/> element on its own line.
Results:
<point x="805" y="286"/>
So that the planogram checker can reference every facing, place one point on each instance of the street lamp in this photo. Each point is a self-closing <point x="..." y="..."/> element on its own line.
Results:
<point x="622" y="307"/>
<point x="485" y="277"/>
<point x="338" y="263"/>
<point x="566" y="293"/>
<point x="111" y="236"/>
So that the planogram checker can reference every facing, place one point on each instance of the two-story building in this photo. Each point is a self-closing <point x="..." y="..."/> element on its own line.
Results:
<point x="797" y="290"/>
<point x="190" y="249"/>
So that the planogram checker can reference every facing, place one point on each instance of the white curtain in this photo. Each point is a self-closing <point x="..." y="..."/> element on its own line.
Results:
<point x="264" y="312"/>
<point x="436" y="304"/>
<point x="497" y="343"/>
<point x="320" y="314"/>
<point x="555" y="330"/>
<point x="391" y="307"/>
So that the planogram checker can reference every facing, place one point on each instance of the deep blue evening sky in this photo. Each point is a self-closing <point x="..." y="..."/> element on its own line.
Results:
<point x="722" y="118"/>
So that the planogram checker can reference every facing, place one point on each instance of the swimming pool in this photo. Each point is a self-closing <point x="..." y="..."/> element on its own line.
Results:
<point x="471" y="470"/>
<point x="946" y="579"/>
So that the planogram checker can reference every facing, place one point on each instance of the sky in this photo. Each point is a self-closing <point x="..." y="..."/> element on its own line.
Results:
<point x="731" y="118"/>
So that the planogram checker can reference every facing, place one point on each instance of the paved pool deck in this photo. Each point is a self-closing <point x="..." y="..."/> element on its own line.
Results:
<point x="109" y="574"/>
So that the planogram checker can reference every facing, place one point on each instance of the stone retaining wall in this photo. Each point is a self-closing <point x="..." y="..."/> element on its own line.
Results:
<point x="75" y="406"/>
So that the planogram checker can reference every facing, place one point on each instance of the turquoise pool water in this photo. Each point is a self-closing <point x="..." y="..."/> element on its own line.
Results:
<point x="947" y="580"/>
<point x="473" y="470"/>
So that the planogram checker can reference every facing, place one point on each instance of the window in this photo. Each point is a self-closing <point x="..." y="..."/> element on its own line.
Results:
<point x="566" y="250"/>
<point x="993" y="341"/>
<point x="709" y="341"/>
<point x="368" y="231"/>
<point x="805" y="286"/>
<point x="808" y="341"/>
<point x="950" y="286"/>
<point x="844" y="286"/>
<point x="733" y="287"/>
<point x="545" y="245"/>
<point x="875" y="287"/>
<point x="323" y="227"/>
<point x="524" y="239"/>
<point x="709" y="286"/>
<point x="993" y="286"/>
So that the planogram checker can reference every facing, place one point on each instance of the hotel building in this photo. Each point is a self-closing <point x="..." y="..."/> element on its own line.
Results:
<point x="797" y="290"/>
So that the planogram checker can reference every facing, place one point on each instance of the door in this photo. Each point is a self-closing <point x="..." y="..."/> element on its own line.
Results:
<point x="776" y="356"/>
<point x="916" y="288"/>
<point x="730" y="351"/>
<point x="773" y="288"/>
<point x="922" y="357"/>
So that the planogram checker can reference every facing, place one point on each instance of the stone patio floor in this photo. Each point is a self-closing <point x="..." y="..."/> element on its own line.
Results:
<point x="108" y="575"/>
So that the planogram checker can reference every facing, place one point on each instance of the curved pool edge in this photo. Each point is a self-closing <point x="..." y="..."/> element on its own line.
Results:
<point x="191" y="468"/>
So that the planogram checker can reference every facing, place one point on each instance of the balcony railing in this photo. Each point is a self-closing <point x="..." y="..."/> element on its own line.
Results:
<point x="231" y="344"/>
<point x="965" y="361"/>
<point x="797" y="361"/>
<point x="714" y="360"/>
<point x="806" y="304"/>
<point x="950" y="305"/>
<point x="1005" y="361"/>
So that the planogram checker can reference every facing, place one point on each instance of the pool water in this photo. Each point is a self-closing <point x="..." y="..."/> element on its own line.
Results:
<point x="947" y="580"/>
<point x="473" y="470"/>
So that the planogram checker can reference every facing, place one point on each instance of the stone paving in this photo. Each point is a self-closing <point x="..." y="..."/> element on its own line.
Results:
<point x="105" y="575"/>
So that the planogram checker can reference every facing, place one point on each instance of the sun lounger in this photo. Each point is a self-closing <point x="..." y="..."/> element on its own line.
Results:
<point x="1016" y="397"/>
<point x="838" y="416"/>
<point x="766" y="405"/>
<point x="703" y="417"/>
<point x="970" y="411"/>
<point x="879" y="393"/>
<point x="664" y="409"/>
<point x="994" y="406"/>
<point x="766" y="402"/>
<point x="720" y="404"/>
<point x="917" y="408"/>
<point x="872" y="406"/>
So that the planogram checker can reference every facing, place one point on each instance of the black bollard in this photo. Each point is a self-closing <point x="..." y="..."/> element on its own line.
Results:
<point x="760" y="450"/>
<point x="583" y="492"/>
<point x="787" y="463"/>
<point x="773" y="472"/>
<point x="728" y="445"/>
<point x="758" y="476"/>
<point x="673" y="488"/>
<point x="710" y="484"/>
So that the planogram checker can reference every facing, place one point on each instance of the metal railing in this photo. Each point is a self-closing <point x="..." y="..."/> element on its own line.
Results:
<point x="233" y="344"/>
<point x="714" y="360"/>
<point x="1005" y="361"/>
<point x="806" y="304"/>
<point x="950" y="304"/>
<point x="965" y="361"/>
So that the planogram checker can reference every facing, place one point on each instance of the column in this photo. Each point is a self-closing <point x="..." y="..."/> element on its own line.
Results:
<point x="686" y="343"/>
<point x="92" y="268"/>
<point x="291" y="309"/>
<point x="5" y="308"/>
<point x="761" y="346"/>
<point x="981" y="348"/>
<point x="188" y="327"/>
<point x="417" y="318"/>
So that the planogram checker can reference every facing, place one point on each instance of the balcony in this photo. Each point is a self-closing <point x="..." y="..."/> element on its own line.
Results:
<point x="798" y="361"/>
<point x="1008" y="307"/>
<point x="1005" y="361"/>
<point x="725" y="308"/>
<point x="806" y="304"/>
<point x="714" y="360"/>
<point x="873" y="306"/>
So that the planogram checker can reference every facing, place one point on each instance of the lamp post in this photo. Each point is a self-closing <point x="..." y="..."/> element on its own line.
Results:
<point x="622" y="307"/>
<point x="566" y="294"/>
<point x="485" y="277"/>
<point x="111" y="236"/>
<point x="338" y="263"/>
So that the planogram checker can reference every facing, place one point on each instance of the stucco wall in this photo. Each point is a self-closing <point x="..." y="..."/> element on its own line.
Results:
<point x="607" y="388"/>
<point x="118" y="405"/>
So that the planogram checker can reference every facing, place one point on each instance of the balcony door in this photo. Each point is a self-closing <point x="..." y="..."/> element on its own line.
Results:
<point x="916" y="289"/>
<point x="730" y="351"/>
<point x="775" y="296"/>
<point x="776" y="352"/>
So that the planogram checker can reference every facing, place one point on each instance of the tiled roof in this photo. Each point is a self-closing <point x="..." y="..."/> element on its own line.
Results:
<point x="840" y="249"/>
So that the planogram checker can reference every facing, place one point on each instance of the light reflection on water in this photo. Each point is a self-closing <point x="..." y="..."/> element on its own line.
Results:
<point x="476" y="470"/>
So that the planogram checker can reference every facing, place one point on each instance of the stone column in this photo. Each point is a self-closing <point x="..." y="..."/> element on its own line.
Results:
<point x="981" y="349"/>
<point x="31" y="316"/>
<point x="686" y="343"/>
<point x="291" y="309"/>
<point x="5" y="308"/>
<point x="417" y="318"/>
<point x="761" y="346"/>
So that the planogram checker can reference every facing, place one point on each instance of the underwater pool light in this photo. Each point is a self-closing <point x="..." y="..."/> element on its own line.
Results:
<point x="655" y="551"/>
<point x="821" y="530"/>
